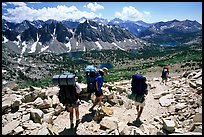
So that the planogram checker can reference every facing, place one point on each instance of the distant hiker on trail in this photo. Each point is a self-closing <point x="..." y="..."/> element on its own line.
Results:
<point x="165" y="74"/>
<point x="139" y="91"/>
<point x="99" y="84"/>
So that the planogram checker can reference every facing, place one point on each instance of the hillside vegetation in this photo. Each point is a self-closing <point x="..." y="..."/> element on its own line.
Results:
<point x="122" y="64"/>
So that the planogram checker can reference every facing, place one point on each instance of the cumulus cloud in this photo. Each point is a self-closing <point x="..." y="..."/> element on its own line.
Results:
<point x="131" y="13"/>
<point x="93" y="6"/>
<point x="23" y="12"/>
<point x="21" y="4"/>
<point x="4" y="4"/>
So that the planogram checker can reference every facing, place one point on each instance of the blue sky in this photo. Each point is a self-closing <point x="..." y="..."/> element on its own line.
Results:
<point x="149" y="12"/>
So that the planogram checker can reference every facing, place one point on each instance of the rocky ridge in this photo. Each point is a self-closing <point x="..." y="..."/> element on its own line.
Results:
<point x="173" y="109"/>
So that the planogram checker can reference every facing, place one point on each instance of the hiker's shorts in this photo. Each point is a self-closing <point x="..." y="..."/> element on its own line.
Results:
<point x="140" y="104"/>
<point x="98" y="94"/>
<point x="74" y="105"/>
<point x="164" y="78"/>
<point x="139" y="99"/>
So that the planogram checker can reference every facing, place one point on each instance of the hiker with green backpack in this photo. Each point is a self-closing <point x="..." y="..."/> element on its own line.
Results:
<point x="139" y="92"/>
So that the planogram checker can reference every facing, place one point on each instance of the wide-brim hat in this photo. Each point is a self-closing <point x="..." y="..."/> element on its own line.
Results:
<point x="104" y="69"/>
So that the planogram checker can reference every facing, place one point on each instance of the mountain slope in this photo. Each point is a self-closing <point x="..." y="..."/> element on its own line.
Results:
<point x="59" y="37"/>
<point x="174" y="31"/>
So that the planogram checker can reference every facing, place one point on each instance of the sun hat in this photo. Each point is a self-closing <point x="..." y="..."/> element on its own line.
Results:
<point x="105" y="70"/>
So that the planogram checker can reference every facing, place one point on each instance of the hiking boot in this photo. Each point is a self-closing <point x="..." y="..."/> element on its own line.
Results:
<point x="91" y="109"/>
<point x="72" y="125"/>
<point x="77" y="122"/>
<point x="138" y="120"/>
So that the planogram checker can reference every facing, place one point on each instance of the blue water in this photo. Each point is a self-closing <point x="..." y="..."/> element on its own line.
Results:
<point x="173" y="43"/>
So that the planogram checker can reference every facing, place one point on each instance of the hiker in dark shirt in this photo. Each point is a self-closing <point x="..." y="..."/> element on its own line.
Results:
<point x="139" y="90"/>
<point x="165" y="74"/>
<point x="99" y="84"/>
<point x="73" y="104"/>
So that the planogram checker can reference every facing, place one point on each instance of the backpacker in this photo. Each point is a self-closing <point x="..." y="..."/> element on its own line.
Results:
<point x="138" y="85"/>
<point x="66" y="82"/>
<point x="165" y="72"/>
<point x="91" y="74"/>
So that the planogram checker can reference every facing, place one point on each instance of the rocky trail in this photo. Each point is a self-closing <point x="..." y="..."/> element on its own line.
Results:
<point x="175" y="108"/>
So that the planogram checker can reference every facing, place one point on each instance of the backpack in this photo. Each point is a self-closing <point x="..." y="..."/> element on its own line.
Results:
<point x="66" y="82"/>
<point x="91" y="74"/>
<point x="67" y="94"/>
<point x="138" y="85"/>
<point x="66" y="78"/>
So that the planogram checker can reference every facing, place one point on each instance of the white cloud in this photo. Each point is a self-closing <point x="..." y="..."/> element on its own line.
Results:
<point x="146" y="12"/>
<point x="61" y="12"/>
<point x="131" y="13"/>
<point x="93" y="6"/>
<point x="21" y="4"/>
<point x="4" y="4"/>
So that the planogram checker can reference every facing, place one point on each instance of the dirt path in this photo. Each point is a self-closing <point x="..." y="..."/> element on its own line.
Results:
<point x="152" y="107"/>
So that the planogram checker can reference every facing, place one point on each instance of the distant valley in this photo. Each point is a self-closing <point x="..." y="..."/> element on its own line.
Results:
<point x="34" y="51"/>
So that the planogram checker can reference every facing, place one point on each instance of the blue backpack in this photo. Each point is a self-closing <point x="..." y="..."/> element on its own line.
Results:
<point x="91" y="74"/>
<point x="138" y="86"/>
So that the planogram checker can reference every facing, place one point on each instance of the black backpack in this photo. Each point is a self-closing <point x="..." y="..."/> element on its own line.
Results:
<point x="67" y="94"/>
<point x="66" y="82"/>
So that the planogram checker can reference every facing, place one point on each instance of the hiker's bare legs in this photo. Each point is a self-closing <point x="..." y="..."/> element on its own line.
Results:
<point x="70" y="109"/>
<point x="77" y="116"/>
<point x="97" y="101"/>
<point x="166" y="82"/>
<point x="140" y="112"/>
<point x="100" y="100"/>
<point x="77" y="113"/>
<point x="137" y="108"/>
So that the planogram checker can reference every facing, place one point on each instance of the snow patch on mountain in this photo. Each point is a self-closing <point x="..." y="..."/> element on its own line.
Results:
<point x="93" y="27"/>
<point x="68" y="45"/>
<point x="5" y="39"/>
<point x="98" y="45"/>
<point x="24" y="47"/>
<point x="43" y="49"/>
<point x="117" y="46"/>
<point x="33" y="47"/>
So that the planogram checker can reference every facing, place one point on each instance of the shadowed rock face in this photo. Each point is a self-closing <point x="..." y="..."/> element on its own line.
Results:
<point x="37" y="111"/>
<point x="29" y="37"/>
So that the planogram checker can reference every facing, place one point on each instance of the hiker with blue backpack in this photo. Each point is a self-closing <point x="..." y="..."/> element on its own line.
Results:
<point x="91" y="74"/>
<point x="139" y="90"/>
<point x="98" y="85"/>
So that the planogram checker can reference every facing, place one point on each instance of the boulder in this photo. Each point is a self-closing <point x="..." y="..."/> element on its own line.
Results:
<point x="108" y="123"/>
<point x="169" y="125"/>
<point x="197" y="118"/>
<point x="9" y="127"/>
<point x="37" y="115"/>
